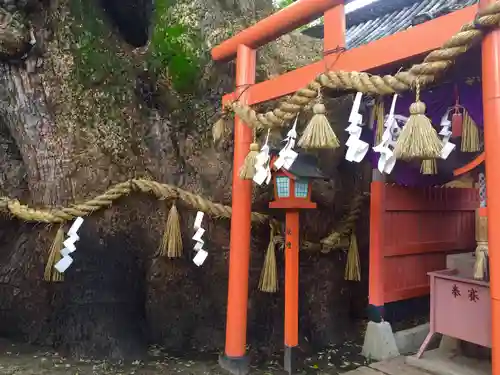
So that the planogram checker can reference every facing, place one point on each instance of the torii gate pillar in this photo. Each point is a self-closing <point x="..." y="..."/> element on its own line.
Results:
<point x="491" y="108"/>
<point x="235" y="359"/>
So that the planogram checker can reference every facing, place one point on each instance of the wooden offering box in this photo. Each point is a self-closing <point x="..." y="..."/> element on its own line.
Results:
<point x="460" y="308"/>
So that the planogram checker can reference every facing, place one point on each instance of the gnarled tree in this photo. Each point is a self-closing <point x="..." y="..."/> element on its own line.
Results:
<point x="96" y="92"/>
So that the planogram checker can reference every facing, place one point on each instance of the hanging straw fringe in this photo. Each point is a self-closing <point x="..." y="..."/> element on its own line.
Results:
<point x="220" y="128"/>
<point x="51" y="274"/>
<point x="481" y="260"/>
<point x="480" y="266"/>
<point x="429" y="167"/>
<point x="247" y="170"/>
<point x="171" y="242"/>
<point x="268" y="282"/>
<point x="318" y="133"/>
<point x="418" y="138"/>
<point x="379" y="118"/>
<point x="352" y="268"/>
<point x="470" y="134"/>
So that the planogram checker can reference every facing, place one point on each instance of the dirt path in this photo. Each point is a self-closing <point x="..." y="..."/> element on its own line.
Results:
<point x="25" y="360"/>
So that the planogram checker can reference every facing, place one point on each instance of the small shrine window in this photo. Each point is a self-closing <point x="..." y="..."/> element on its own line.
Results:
<point x="283" y="186"/>
<point x="301" y="188"/>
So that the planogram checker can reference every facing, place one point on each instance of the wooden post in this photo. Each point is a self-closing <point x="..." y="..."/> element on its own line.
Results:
<point x="239" y="255"/>
<point x="291" y="288"/>
<point x="491" y="110"/>
<point x="334" y="29"/>
<point x="481" y="264"/>
<point x="376" y="273"/>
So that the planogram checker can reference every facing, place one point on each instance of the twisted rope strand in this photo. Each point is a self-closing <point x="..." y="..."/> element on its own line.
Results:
<point x="436" y="62"/>
<point x="162" y="192"/>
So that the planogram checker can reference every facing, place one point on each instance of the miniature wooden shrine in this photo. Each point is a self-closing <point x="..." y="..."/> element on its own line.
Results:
<point x="292" y="187"/>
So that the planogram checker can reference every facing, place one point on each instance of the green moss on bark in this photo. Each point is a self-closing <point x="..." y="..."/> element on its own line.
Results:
<point x="174" y="52"/>
<point x="98" y="62"/>
<point x="175" y="49"/>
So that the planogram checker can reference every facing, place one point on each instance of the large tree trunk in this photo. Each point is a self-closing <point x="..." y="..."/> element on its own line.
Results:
<point x="81" y="110"/>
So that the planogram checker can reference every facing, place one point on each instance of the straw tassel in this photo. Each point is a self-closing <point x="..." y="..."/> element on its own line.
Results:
<point x="51" y="274"/>
<point x="470" y="134"/>
<point x="268" y="282"/>
<point x="352" y="268"/>
<point x="171" y="242"/>
<point x="379" y="118"/>
<point x="480" y="267"/>
<point x="247" y="170"/>
<point x="481" y="260"/>
<point x="220" y="128"/>
<point x="418" y="138"/>
<point x="429" y="167"/>
<point x="318" y="133"/>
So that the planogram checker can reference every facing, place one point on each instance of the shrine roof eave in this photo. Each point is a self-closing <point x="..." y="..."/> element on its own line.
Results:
<point x="304" y="166"/>
<point x="470" y="166"/>
<point x="383" y="18"/>
<point x="386" y="51"/>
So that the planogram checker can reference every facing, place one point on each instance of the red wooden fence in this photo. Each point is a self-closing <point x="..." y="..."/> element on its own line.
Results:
<point x="411" y="232"/>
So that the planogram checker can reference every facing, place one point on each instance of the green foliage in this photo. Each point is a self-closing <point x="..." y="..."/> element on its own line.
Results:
<point x="175" y="49"/>
<point x="280" y="4"/>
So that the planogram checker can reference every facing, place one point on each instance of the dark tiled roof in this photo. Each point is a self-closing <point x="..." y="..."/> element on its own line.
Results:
<point x="305" y="166"/>
<point x="386" y="17"/>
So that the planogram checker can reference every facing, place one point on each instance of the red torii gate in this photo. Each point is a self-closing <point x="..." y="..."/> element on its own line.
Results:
<point x="388" y="50"/>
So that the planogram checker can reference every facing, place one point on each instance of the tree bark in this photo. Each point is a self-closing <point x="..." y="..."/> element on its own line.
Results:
<point x="27" y="117"/>
<point x="80" y="112"/>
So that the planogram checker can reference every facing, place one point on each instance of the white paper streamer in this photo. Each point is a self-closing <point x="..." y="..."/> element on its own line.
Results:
<point x="76" y="225"/>
<point x="63" y="264"/>
<point x="356" y="148"/>
<point x="201" y="255"/>
<point x="263" y="170"/>
<point x="198" y="220"/>
<point x="446" y="132"/>
<point x="387" y="160"/>
<point x="69" y="246"/>
<point x="287" y="156"/>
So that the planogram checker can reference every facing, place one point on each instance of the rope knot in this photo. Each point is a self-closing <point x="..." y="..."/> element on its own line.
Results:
<point x="418" y="108"/>
<point x="319" y="109"/>
<point x="254" y="147"/>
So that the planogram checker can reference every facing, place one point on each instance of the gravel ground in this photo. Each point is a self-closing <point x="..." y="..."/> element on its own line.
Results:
<point x="25" y="360"/>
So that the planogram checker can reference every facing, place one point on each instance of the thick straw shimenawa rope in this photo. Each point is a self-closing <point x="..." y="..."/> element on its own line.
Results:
<point x="161" y="191"/>
<point x="436" y="62"/>
<point x="335" y="239"/>
<point x="165" y="191"/>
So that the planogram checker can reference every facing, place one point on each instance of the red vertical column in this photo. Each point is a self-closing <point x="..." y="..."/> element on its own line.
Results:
<point x="239" y="255"/>
<point x="291" y="288"/>
<point x="491" y="109"/>
<point x="334" y="29"/>
<point x="376" y="276"/>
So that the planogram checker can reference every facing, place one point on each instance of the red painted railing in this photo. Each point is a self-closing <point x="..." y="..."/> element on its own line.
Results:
<point x="415" y="230"/>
